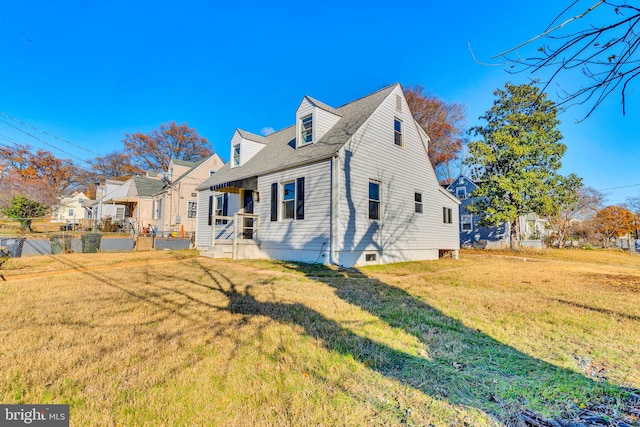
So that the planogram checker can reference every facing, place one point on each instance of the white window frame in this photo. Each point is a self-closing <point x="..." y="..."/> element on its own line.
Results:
<point x="71" y="211"/>
<point x="236" y="155"/>
<point x="292" y="200"/>
<point x="377" y="201"/>
<point x="466" y="220"/>
<point x="464" y="192"/>
<point x="120" y="211"/>
<point x="306" y="130"/>
<point x="398" y="138"/>
<point x="447" y="215"/>
<point x="157" y="209"/>
<point x="419" y="207"/>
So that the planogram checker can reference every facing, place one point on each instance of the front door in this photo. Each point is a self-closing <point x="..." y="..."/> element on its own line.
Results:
<point x="247" y="229"/>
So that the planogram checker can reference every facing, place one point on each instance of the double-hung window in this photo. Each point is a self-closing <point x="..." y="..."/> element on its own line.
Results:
<point x="446" y="215"/>
<point x="287" y="200"/>
<point x="461" y="193"/>
<point x="236" y="155"/>
<point x="418" y="202"/>
<point x="306" y="130"/>
<point x="191" y="209"/>
<point x="374" y="199"/>
<point x="466" y="222"/>
<point x="397" y="132"/>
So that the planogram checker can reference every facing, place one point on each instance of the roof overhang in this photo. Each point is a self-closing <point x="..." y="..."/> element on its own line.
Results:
<point x="121" y="200"/>
<point x="235" y="186"/>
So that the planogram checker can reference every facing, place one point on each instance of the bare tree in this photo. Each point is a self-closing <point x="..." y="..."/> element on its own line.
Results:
<point x="598" y="40"/>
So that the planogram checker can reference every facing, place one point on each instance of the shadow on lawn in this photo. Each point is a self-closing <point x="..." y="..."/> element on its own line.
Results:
<point x="464" y="365"/>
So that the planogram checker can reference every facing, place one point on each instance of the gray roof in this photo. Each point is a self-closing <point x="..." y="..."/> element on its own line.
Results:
<point x="252" y="136"/>
<point x="323" y="106"/>
<point x="281" y="152"/>
<point x="147" y="187"/>
<point x="183" y="163"/>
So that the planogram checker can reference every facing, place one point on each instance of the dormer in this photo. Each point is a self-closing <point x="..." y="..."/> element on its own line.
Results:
<point x="313" y="120"/>
<point x="244" y="145"/>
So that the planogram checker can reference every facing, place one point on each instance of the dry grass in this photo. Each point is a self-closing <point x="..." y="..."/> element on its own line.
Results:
<point x="128" y="340"/>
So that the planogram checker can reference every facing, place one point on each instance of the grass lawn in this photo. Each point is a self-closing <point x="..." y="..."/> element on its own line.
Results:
<point x="168" y="338"/>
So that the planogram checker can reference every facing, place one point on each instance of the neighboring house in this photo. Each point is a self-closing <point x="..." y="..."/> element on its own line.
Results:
<point x="100" y="210"/>
<point x="532" y="227"/>
<point x="71" y="209"/>
<point x="347" y="186"/>
<point x="136" y="197"/>
<point x="175" y="206"/>
<point x="471" y="232"/>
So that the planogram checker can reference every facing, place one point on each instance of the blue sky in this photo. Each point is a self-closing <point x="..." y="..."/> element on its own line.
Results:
<point x="90" y="71"/>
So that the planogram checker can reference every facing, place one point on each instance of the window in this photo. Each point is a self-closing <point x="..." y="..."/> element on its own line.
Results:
<point x="70" y="212"/>
<point x="397" y="132"/>
<point x="191" y="209"/>
<point x="466" y="221"/>
<point x="446" y="215"/>
<point x="119" y="214"/>
<point x="461" y="192"/>
<point x="157" y="209"/>
<point x="374" y="200"/>
<point x="288" y="199"/>
<point x="306" y="130"/>
<point x="236" y="155"/>
<point x="370" y="257"/>
<point x="418" y="201"/>
<point x="221" y="208"/>
<point x="292" y="202"/>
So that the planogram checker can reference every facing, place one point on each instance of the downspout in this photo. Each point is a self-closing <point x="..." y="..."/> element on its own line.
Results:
<point x="333" y="233"/>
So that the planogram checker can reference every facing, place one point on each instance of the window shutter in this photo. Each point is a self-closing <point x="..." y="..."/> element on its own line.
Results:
<point x="209" y="221"/>
<point x="300" y="198"/>
<point x="274" y="201"/>
<point x="225" y="204"/>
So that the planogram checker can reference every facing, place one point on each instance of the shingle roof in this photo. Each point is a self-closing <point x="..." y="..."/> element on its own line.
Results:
<point x="281" y="152"/>
<point x="185" y="163"/>
<point x="147" y="187"/>
<point x="252" y="136"/>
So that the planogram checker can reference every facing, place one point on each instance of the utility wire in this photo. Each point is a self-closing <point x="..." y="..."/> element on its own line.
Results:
<point x="617" y="188"/>
<point x="44" y="142"/>
<point x="49" y="134"/>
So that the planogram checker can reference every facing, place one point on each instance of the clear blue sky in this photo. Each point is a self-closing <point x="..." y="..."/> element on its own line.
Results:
<point x="90" y="71"/>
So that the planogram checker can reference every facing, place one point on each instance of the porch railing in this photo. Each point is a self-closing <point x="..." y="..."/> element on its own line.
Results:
<point x="243" y="227"/>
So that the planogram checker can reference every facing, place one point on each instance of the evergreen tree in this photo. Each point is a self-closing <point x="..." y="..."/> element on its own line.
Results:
<point x="517" y="161"/>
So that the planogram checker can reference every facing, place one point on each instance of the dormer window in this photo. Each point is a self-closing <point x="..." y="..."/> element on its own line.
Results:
<point x="236" y="155"/>
<point x="306" y="130"/>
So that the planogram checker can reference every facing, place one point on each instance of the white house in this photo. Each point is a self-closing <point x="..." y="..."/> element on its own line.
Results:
<point x="71" y="209"/>
<point x="347" y="186"/>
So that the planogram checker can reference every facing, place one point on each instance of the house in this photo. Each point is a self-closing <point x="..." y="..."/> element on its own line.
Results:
<point x="175" y="205"/>
<point x="71" y="209"/>
<point x="346" y="186"/>
<point x="167" y="201"/>
<point x="533" y="228"/>
<point x="100" y="210"/>
<point x="472" y="234"/>
<point x="133" y="201"/>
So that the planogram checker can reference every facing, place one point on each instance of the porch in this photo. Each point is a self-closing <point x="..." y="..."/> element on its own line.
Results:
<point x="234" y="237"/>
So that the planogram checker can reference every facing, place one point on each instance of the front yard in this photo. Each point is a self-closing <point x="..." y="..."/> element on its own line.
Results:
<point x="168" y="338"/>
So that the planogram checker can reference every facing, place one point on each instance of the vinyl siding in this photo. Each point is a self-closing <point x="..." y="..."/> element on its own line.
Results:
<point x="292" y="239"/>
<point x="401" y="234"/>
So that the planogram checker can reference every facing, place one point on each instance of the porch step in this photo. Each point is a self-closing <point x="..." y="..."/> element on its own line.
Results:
<point x="218" y="251"/>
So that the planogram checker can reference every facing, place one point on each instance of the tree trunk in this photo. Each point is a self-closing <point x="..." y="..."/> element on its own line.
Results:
<point x="515" y="234"/>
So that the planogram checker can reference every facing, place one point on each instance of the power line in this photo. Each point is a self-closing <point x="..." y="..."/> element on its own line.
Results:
<point x="49" y="134"/>
<point x="617" y="188"/>
<point x="44" y="142"/>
